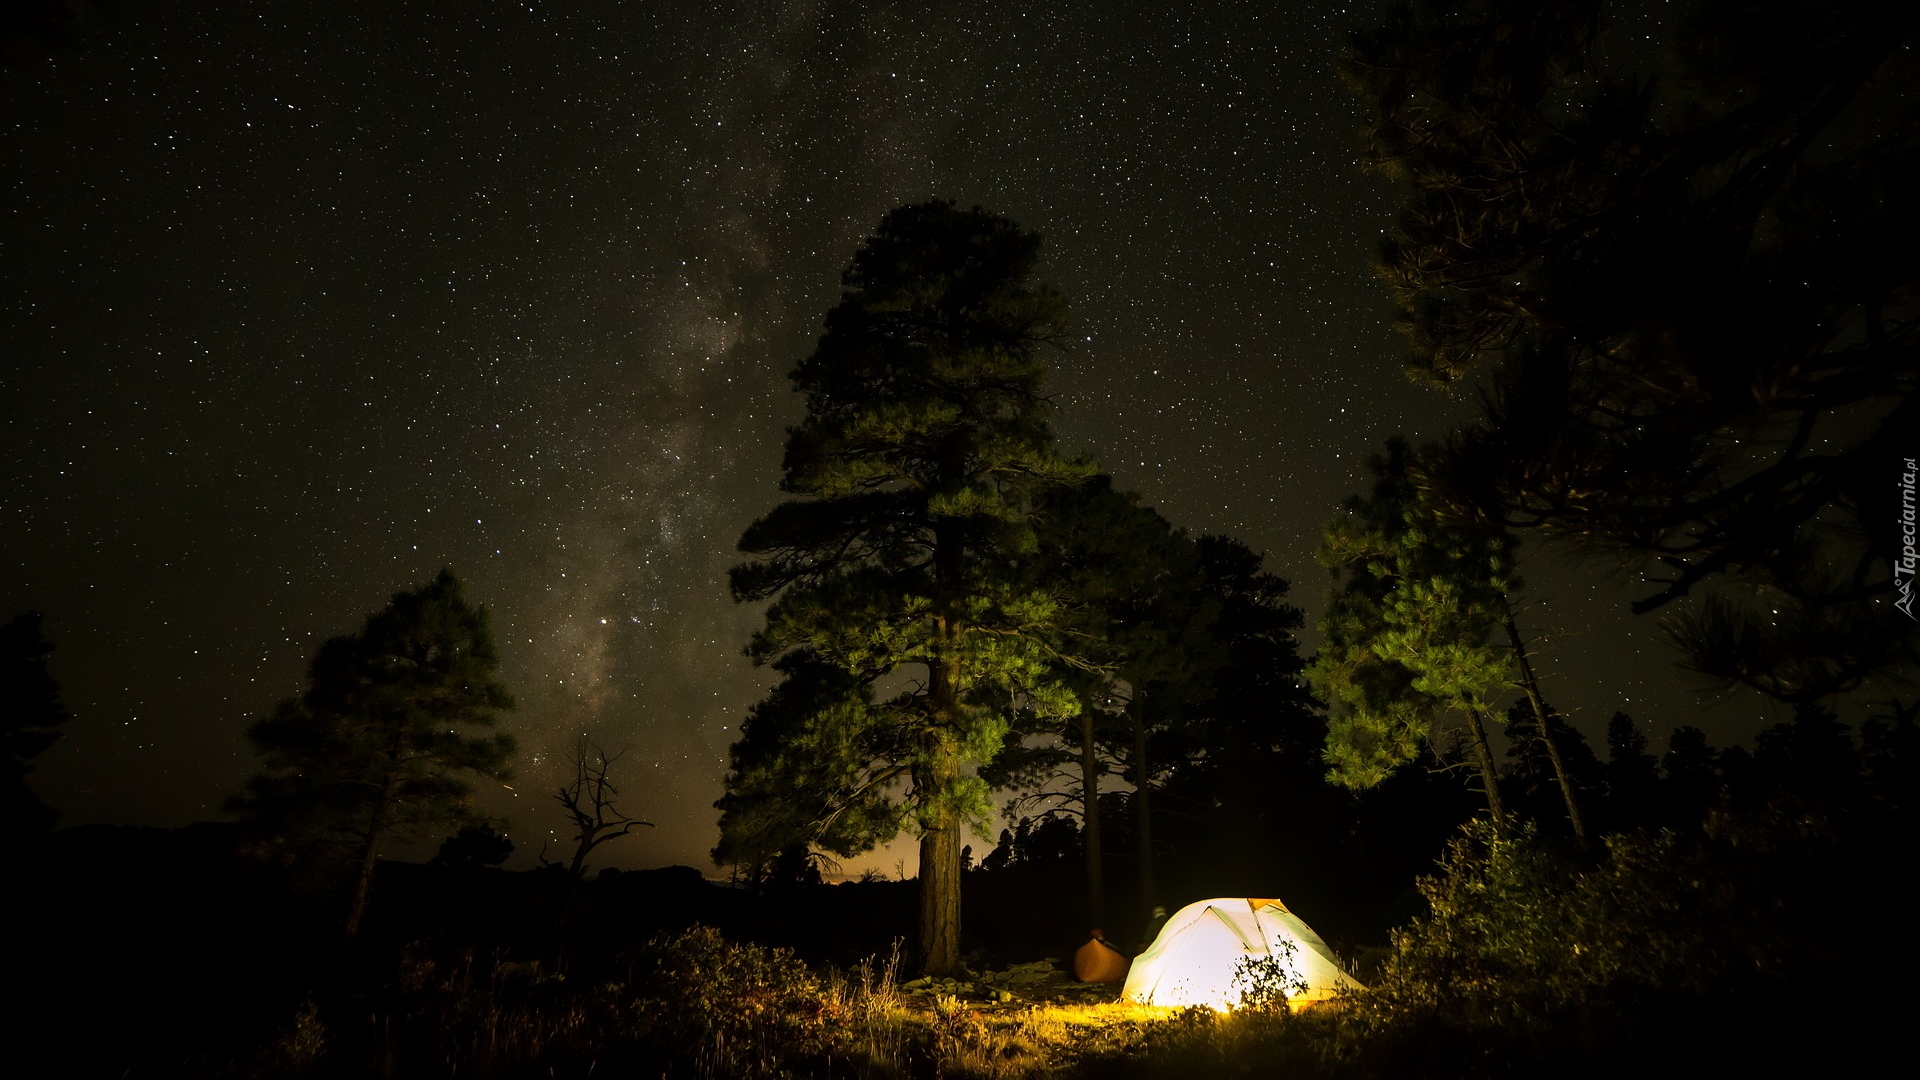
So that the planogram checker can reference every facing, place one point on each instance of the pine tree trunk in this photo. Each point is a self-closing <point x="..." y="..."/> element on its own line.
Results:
<point x="1143" y="803"/>
<point x="1532" y="686"/>
<point x="1489" y="779"/>
<point x="1090" y="798"/>
<point x="369" y="860"/>
<point x="940" y="875"/>
<point x="940" y="772"/>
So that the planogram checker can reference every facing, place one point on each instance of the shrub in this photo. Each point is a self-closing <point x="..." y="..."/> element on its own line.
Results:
<point x="1539" y="949"/>
<point x="741" y="1009"/>
<point x="1266" y="983"/>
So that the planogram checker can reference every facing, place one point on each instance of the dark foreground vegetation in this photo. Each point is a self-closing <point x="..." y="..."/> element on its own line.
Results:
<point x="1765" y="937"/>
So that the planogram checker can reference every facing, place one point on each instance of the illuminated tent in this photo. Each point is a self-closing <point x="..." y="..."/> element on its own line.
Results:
<point x="1199" y="957"/>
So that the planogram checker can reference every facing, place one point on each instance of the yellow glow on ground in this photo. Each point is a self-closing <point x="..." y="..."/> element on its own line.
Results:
<point x="1100" y="1015"/>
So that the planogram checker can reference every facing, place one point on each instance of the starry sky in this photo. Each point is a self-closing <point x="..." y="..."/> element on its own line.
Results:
<point x="305" y="301"/>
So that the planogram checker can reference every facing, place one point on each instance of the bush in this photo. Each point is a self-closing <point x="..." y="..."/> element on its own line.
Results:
<point x="1534" y="949"/>
<point x="1267" y="983"/>
<point x="741" y="1010"/>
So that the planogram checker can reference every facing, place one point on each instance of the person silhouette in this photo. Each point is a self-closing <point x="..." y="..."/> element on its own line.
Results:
<point x="1154" y="923"/>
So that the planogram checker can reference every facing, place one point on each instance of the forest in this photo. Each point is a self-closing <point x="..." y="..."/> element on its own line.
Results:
<point x="1680" y="308"/>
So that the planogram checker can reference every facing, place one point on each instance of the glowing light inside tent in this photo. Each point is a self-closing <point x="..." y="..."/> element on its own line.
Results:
<point x="1203" y="953"/>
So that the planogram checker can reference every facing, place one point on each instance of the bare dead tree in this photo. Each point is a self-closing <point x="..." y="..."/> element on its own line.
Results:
<point x="589" y="803"/>
<point x="597" y="819"/>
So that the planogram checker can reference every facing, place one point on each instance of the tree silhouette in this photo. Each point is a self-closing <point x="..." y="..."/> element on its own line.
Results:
<point x="1405" y="634"/>
<point x="1246" y="730"/>
<point x="1812" y="756"/>
<point x="1688" y="301"/>
<point x="589" y="804"/>
<point x="1689" y="775"/>
<point x="474" y="846"/>
<point x="1421" y="599"/>
<point x="923" y="445"/>
<point x="1137" y="624"/>
<point x="1890" y="757"/>
<point x="1058" y="769"/>
<point x="30" y="719"/>
<point x="1633" y="775"/>
<point x="810" y="767"/>
<point x="588" y="801"/>
<point x="1543" y="767"/>
<point x="373" y="750"/>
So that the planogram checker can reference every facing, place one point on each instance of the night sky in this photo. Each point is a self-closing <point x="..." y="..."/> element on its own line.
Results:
<point x="304" y="301"/>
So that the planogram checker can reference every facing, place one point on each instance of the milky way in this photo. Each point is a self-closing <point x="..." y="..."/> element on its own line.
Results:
<point x="302" y="306"/>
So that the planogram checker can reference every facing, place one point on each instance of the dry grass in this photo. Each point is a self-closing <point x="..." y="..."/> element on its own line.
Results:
<point x="891" y="1031"/>
<point x="699" y="1006"/>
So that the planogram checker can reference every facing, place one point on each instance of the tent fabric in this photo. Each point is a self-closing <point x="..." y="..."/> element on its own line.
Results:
<point x="1099" y="962"/>
<point x="1197" y="957"/>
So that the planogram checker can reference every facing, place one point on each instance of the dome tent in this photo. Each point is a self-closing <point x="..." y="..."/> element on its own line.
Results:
<point x="1199" y="956"/>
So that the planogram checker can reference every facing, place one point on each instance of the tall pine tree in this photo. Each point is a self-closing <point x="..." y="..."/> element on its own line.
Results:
<point x="1246" y="729"/>
<point x="1405" y="636"/>
<point x="1410" y="630"/>
<point x="1139" y="622"/>
<point x="374" y="750"/>
<point x="924" y="442"/>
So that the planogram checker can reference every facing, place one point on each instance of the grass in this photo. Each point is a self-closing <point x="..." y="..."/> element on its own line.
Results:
<point x="980" y="1032"/>
<point x="696" y="1005"/>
